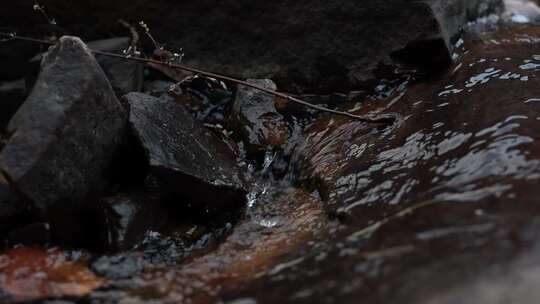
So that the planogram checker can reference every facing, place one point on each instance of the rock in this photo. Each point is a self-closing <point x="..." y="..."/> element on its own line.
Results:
<point x="12" y="95"/>
<point x="124" y="75"/>
<point x="184" y="155"/>
<point x="257" y="121"/>
<point x="118" y="267"/>
<point x="207" y="99"/>
<point x="124" y="220"/>
<point x="522" y="11"/>
<point x="277" y="228"/>
<point x="65" y="134"/>
<point x="301" y="45"/>
<point x="157" y="88"/>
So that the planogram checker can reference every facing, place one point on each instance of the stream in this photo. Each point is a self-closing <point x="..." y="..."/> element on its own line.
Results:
<point x="439" y="207"/>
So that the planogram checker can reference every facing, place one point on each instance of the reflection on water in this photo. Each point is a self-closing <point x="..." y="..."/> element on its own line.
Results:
<point x="449" y="183"/>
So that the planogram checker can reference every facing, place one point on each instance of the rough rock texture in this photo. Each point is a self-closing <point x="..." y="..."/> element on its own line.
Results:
<point x="66" y="132"/>
<point x="124" y="219"/>
<point x="299" y="44"/>
<point x="124" y="75"/>
<point x="256" y="118"/>
<point x="184" y="155"/>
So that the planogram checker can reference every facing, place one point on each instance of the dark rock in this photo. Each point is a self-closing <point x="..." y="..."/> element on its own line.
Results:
<point x="207" y="99"/>
<point x="301" y="45"/>
<point x="12" y="95"/>
<point x="33" y="234"/>
<point x="124" y="220"/>
<point x="157" y="88"/>
<point x="124" y="75"/>
<point x="185" y="156"/>
<point x="256" y="119"/>
<point x="64" y="135"/>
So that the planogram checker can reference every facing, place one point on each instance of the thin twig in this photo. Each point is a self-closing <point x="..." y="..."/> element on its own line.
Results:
<point x="380" y="119"/>
<point x="134" y="34"/>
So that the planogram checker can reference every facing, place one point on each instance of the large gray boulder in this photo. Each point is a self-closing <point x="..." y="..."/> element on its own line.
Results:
<point x="301" y="45"/>
<point x="65" y="134"/>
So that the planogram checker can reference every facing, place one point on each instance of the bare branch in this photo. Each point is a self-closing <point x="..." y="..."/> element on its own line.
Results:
<point x="379" y="119"/>
<point x="134" y="36"/>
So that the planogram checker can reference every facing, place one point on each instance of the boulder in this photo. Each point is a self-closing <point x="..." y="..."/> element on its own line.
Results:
<point x="184" y="155"/>
<point x="257" y="121"/>
<point x="302" y="45"/>
<point x="65" y="134"/>
<point x="124" y="75"/>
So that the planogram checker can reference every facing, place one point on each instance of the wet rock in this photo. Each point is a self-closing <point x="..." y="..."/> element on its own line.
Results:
<point x="293" y="43"/>
<point x="118" y="267"/>
<point x="257" y="121"/>
<point x="278" y="225"/>
<point x="64" y="135"/>
<point x="185" y="156"/>
<point x="124" y="220"/>
<point x="207" y="99"/>
<point x="442" y="206"/>
<point x="522" y="11"/>
<point x="12" y="95"/>
<point x="157" y="88"/>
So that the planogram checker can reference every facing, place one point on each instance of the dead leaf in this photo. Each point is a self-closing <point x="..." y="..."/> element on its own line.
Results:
<point x="28" y="274"/>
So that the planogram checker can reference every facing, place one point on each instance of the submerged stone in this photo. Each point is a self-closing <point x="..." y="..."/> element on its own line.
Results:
<point x="256" y="118"/>
<point x="64" y="135"/>
<point x="124" y="220"/>
<point x="118" y="267"/>
<point x="184" y="155"/>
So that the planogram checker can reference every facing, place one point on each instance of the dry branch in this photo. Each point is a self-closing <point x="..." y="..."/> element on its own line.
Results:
<point x="380" y="119"/>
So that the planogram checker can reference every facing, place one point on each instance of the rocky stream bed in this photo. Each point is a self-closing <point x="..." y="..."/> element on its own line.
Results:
<point x="126" y="182"/>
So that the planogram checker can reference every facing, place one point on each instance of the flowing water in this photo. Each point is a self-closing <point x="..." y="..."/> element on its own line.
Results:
<point x="441" y="207"/>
